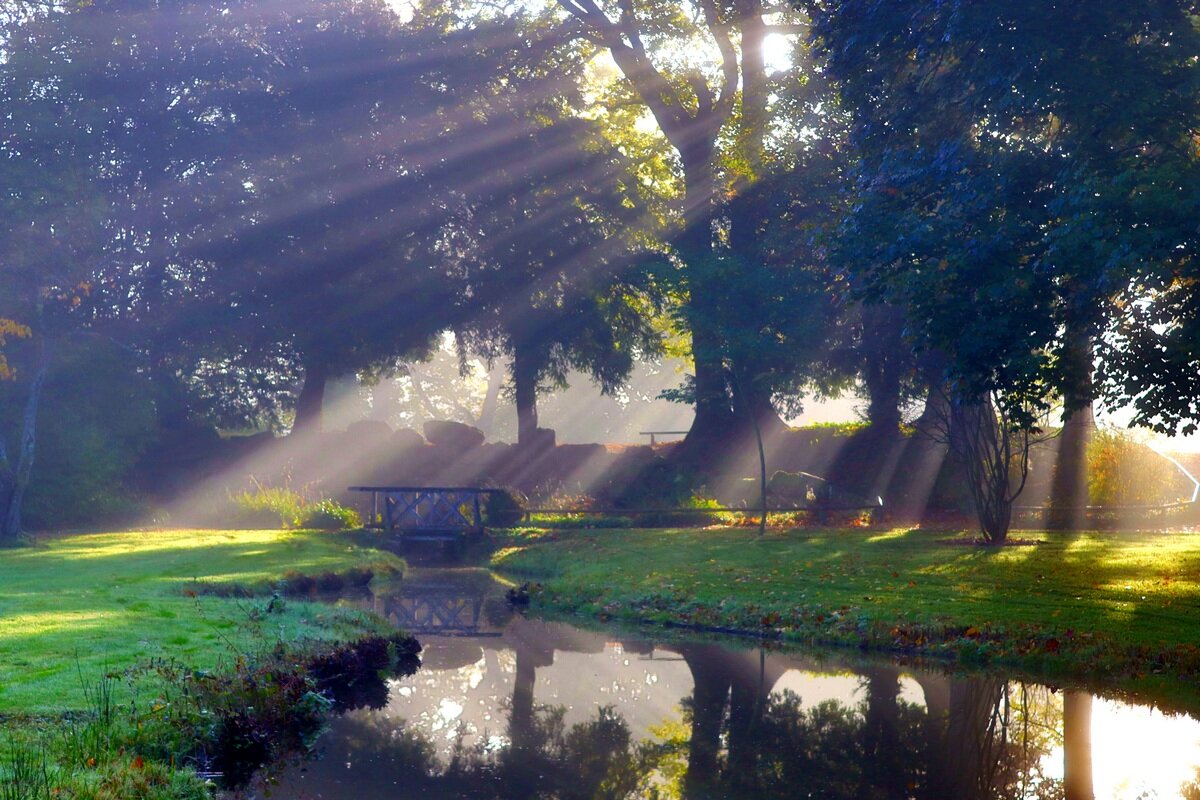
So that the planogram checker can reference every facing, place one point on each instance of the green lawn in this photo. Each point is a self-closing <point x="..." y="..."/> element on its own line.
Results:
<point x="86" y="604"/>
<point x="1111" y="605"/>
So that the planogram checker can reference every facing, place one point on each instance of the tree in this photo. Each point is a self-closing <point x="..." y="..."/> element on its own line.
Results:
<point x="330" y="247"/>
<point x="287" y="185"/>
<point x="999" y="190"/>
<point x="780" y="305"/>
<point x="49" y="229"/>
<point x="556" y="284"/>
<point x="694" y="106"/>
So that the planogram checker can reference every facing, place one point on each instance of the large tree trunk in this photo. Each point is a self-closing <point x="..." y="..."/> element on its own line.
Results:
<point x="752" y="404"/>
<point x="714" y="413"/>
<point x="745" y="211"/>
<point x="753" y="32"/>
<point x="1068" y="491"/>
<point x="525" y="369"/>
<point x="491" y="401"/>
<point x="923" y="459"/>
<point x="311" y="399"/>
<point x="691" y="121"/>
<point x="8" y="481"/>
<point x="15" y="476"/>
<point x="882" y="367"/>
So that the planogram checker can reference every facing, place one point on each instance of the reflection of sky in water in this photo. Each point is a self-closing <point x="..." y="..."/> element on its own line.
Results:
<point x="474" y="698"/>
<point x="1137" y="752"/>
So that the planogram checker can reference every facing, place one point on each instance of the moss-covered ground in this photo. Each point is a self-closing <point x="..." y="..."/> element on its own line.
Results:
<point x="1121" y="608"/>
<point x="75" y="607"/>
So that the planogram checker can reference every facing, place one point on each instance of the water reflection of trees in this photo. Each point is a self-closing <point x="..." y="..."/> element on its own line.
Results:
<point x="546" y="759"/>
<point x="974" y="739"/>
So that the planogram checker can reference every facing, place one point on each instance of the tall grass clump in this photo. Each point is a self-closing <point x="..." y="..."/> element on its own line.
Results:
<point x="25" y="772"/>
<point x="270" y="507"/>
<point x="99" y="753"/>
<point x="266" y="506"/>
<point x="327" y="515"/>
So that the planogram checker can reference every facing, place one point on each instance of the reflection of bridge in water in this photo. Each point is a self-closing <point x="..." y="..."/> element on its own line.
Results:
<point x="436" y="609"/>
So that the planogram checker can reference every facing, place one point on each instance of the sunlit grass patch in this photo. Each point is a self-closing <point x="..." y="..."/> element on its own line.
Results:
<point x="87" y="604"/>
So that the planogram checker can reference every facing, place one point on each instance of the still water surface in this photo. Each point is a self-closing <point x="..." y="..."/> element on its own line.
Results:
<point x="509" y="706"/>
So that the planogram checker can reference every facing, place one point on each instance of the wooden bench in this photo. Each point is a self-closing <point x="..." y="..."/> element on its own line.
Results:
<point x="655" y="434"/>
<point x="427" y="513"/>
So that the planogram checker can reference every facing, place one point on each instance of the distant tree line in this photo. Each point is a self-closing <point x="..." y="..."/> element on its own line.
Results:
<point x="971" y="214"/>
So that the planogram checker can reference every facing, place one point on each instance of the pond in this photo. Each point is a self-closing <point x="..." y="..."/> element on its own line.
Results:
<point x="510" y="706"/>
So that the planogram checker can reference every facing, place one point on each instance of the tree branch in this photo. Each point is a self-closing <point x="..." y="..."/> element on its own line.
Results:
<point x="629" y="27"/>
<point x="721" y="33"/>
<point x="788" y="29"/>
<point x="633" y="62"/>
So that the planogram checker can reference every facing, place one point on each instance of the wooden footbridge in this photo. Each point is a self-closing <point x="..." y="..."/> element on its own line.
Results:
<point x="427" y="513"/>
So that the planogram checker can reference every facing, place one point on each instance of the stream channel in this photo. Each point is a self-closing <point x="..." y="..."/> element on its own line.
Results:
<point x="507" y="705"/>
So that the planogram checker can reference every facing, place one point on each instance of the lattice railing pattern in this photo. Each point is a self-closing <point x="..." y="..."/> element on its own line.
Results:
<point x="414" y="509"/>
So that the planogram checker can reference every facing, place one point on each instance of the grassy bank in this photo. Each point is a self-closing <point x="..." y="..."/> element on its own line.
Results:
<point x="1123" y="608"/>
<point x="125" y="666"/>
<point x="85" y="605"/>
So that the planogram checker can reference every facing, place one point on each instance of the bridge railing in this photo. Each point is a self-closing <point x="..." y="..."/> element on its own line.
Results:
<point x="426" y="509"/>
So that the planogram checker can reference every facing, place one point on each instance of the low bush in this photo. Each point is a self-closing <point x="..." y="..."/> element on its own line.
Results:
<point x="327" y="515"/>
<point x="693" y="512"/>
<point x="568" y="521"/>
<point x="504" y="508"/>
<point x="299" y="584"/>
<point x="659" y="484"/>
<point x="275" y="704"/>
<point x="1124" y="471"/>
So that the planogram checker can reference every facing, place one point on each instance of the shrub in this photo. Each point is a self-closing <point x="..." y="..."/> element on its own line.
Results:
<point x="692" y="513"/>
<point x="568" y="521"/>
<point x="505" y="508"/>
<point x="327" y="515"/>
<point x="656" y="484"/>
<point x="276" y="704"/>
<point x="1124" y="471"/>
<point x="284" y="507"/>
<point x="97" y="419"/>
